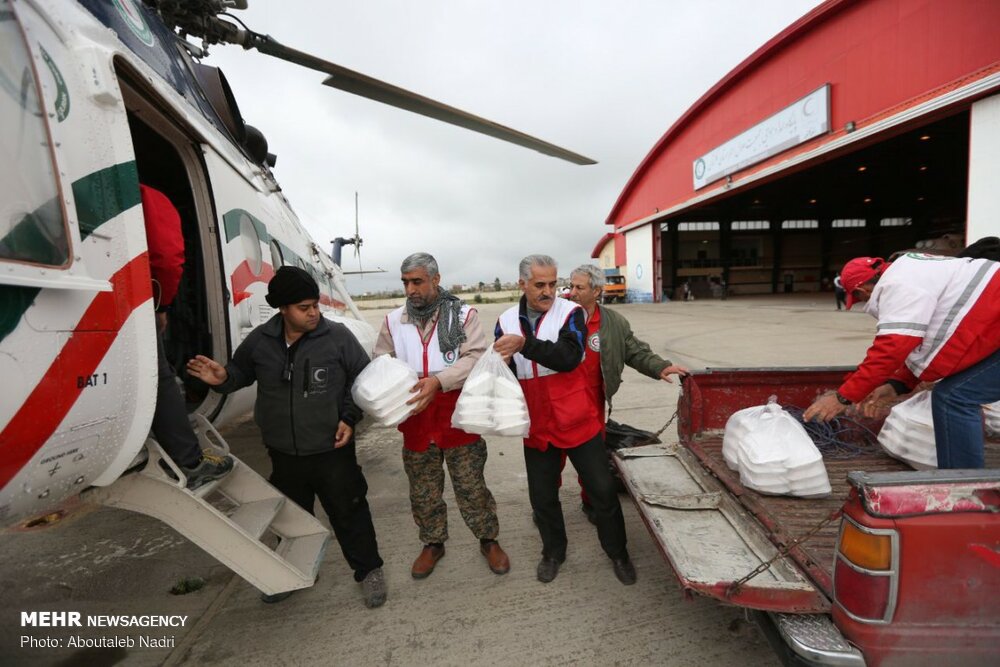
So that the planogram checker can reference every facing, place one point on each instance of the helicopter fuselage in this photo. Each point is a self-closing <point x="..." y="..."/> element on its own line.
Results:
<point x="96" y="97"/>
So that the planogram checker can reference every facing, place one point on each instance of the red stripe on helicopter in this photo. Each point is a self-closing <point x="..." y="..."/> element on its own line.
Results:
<point x="243" y="277"/>
<point x="330" y="301"/>
<point x="51" y="400"/>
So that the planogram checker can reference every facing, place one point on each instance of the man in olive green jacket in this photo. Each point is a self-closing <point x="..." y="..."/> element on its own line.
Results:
<point x="610" y="344"/>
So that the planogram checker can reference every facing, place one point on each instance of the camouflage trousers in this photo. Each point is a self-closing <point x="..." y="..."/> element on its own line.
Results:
<point x="465" y="465"/>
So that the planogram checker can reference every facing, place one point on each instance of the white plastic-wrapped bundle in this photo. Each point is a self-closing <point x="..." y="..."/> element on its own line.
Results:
<point x="991" y="416"/>
<point x="773" y="453"/>
<point x="491" y="401"/>
<point x="383" y="388"/>
<point x="473" y="413"/>
<point x="806" y="474"/>
<point x="737" y="429"/>
<point x="908" y="432"/>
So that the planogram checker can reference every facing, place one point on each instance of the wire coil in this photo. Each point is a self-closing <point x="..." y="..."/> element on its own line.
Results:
<point x="840" y="438"/>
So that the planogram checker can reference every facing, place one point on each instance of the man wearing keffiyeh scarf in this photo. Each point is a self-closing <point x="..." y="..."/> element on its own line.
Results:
<point x="447" y="308"/>
<point x="441" y="339"/>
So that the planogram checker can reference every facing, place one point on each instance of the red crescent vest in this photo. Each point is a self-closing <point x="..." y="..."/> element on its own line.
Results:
<point x="562" y="409"/>
<point x="433" y="425"/>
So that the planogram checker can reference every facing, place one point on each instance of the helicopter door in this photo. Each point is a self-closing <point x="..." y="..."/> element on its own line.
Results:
<point x="168" y="159"/>
<point x="250" y="226"/>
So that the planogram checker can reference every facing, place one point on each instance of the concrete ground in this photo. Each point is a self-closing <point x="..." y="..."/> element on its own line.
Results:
<point x="103" y="561"/>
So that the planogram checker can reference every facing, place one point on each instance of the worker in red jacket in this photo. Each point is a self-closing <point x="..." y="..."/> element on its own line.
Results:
<point x="165" y="240"/>
<point x="544" y="338"/>
<point x="938" y="321"/>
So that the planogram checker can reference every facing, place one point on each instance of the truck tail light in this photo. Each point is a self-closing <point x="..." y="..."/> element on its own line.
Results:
<point x="873" y="552"/>
<point x="866" y="574"/>
<point x="862" y="595"/>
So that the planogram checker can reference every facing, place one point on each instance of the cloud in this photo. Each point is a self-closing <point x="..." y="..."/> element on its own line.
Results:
<point x="602" y="79"/>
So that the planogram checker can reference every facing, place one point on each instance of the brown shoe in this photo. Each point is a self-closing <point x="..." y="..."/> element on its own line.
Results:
<point x="428" y="558"/>
<point x="495" y="557"/>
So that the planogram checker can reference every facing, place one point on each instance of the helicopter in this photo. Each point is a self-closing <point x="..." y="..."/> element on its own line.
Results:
<point x="96" y="97"/>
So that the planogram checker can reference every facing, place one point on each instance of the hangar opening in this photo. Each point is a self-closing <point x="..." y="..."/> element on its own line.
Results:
<point x="865" y="128"/>
<point x="794" y="233"/>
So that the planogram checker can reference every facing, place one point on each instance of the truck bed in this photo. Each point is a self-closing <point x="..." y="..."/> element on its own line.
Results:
<point x="787" y="518"/>
<point x="707" y="402"/>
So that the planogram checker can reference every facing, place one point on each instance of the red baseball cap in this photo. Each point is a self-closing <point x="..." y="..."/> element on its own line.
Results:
<point x="858" y="271"/>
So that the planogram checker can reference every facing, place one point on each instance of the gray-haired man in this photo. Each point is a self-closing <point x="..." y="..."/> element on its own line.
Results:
<point x="544" y="337"/>
<point x="440" y="338"/>
<point x="611" y="346"/>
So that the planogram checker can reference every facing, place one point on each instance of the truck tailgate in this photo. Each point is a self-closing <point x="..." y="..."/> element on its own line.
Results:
<point x="709" y="540"/>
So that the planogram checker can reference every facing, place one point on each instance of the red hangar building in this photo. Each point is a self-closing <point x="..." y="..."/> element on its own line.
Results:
<point x="867" y="127"/>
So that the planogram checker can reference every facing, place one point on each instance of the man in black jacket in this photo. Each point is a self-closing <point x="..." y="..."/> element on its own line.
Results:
<point x="304" y="366"/>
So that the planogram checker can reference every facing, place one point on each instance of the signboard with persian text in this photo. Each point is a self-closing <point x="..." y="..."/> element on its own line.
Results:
<point x="804" y="119"/>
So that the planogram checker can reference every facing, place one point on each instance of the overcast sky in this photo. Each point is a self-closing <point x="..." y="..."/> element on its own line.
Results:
<point x="605" y="79"/>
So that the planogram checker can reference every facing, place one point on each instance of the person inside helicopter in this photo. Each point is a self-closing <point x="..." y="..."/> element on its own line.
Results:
<point x="171" y="427"/>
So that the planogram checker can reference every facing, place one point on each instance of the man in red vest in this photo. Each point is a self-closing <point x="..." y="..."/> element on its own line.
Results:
<point x="544" y="337"/>
<point x="440" y="338"/>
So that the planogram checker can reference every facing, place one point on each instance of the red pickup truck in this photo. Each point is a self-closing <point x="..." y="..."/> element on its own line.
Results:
<point x="898" y="567"/>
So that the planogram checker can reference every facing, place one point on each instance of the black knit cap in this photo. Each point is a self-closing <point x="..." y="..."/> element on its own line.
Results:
<point x="291" y="285"/>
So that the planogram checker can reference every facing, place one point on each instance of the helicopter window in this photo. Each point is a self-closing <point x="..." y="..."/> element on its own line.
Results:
<point x="32" y="225"/>
<point x="276" y="259"/>
<point x="251" y="244"/>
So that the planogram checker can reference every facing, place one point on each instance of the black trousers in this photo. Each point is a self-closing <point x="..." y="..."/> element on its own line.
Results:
<point x="171" y="427"/>
<point x="591" y="462"/>
<point x="336" y="478"/>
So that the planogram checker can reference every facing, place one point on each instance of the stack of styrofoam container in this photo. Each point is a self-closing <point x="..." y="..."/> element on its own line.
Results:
<point x="991" y="416"/>
<point x="491" y="404"/>
<point x="908" y="432"/>
<point x="383" y="388"/>
<point x="474" y="409"/>
<point x="737" y="431"/>
<point x="773" y="453"/>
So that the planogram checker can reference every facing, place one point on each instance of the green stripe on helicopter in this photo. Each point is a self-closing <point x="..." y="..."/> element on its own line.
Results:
<point x="234" y="220"/>
<point x="237" y="220"/>
<point x="13" y="302"/>
<point x="105" y="194"/>
<point x="100" y="197"/>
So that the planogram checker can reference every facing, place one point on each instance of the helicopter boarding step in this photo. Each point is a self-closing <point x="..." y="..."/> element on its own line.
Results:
<point x="232" y="518"/>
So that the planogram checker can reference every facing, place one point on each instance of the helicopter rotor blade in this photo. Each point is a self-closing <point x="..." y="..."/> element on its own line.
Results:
<point x="363" y="85"/>
<point x="361" y="273"/>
